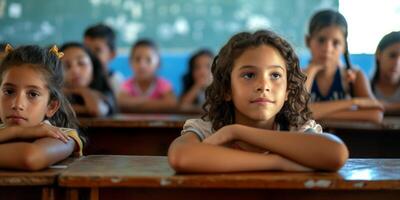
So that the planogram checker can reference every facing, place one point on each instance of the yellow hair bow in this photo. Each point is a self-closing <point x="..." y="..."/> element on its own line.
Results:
<point x="54" y="50"/>
<point x="8" y="49"/>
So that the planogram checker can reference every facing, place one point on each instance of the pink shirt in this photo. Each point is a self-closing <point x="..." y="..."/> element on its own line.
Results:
<point x="156" y="90"/>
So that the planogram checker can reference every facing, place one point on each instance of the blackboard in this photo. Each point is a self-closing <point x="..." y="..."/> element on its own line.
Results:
<point x="176" y="25"/>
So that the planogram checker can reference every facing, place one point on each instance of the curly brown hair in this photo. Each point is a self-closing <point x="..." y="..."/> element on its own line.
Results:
<point x="220" y="112"/>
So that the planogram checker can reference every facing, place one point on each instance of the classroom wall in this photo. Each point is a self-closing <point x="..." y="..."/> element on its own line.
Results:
<point x="174" y="66"/>
<point x="176" y="25"/>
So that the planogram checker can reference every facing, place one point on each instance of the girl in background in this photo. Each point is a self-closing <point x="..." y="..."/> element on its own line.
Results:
<point x="338" y="92"/>
<point x="196" y="79"/>
<point x="386" y="80"/>
<point x="86" y="84"/>
<point x="146" y="91"/>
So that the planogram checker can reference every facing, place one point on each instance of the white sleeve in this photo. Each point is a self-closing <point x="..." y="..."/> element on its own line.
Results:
<point x="198" y="126"/>
<point x="311" y="127"/>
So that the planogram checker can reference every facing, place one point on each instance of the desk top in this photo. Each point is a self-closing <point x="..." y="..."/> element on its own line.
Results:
<point x="138" y="121"/>
<point x="44" y="177"/>
<point x="147" y="171"/>
<point x="388" y="123"/>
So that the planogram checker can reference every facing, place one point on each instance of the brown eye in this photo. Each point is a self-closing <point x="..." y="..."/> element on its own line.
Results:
<point x="8" y="91"/>
<point x="275" y="76"/>
<point x="336" y="43"/>
<point x="320" y="40"/>
<point x="392" y="55"/>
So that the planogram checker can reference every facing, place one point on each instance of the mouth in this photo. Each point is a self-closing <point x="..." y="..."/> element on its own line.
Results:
<point x="261" y="101"/>
<point x="16" y="119"/>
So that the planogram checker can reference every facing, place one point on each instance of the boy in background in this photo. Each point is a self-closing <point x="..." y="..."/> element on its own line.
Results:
<point x="100" y="39"/>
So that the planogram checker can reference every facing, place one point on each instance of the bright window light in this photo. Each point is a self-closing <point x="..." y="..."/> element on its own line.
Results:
<point x="369" y="21"/>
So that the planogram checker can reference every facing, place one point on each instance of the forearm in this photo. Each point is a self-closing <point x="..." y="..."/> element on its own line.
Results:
<point x="323" y="109"/>
<point x="369" y="115"/>
<point x="131" y="105"/>
<point x="7" y="134"/>
<point x="34" y="156"/>
<point x="94" y="103"/>
<point x="317" y="151"/>
<point x="189" y="97"/>
<point x="200" y="157"/>
<point x="392" y="107"/>
<point x="311" y="72"/>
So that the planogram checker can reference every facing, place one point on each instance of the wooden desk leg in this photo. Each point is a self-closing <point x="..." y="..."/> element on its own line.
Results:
<point x="47" y="193"/>
<point x="94" y="193"/>
<point x="73" y="194"/>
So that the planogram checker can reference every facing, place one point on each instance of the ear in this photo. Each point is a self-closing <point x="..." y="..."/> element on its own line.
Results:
<point x="52" y="108"/>
<point x="378" y="55"/>
<point x="307" y="40"/>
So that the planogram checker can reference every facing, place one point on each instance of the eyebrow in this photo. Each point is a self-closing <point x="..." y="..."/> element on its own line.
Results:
<point x="29" y="86"/>
<point x="252" y="67"/>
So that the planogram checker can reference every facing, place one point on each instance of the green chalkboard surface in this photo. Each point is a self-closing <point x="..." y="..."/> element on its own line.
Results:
<point x="177" y="25"/>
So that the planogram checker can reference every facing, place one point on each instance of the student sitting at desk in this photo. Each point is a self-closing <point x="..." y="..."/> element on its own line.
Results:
<point x="196" y="79"/>
<point x="337" y="92"/>
<point x="146" y="91"/>
<point x="386" y="80"/>
<point x="38" y="125"/>
<point x="257" y="115"/>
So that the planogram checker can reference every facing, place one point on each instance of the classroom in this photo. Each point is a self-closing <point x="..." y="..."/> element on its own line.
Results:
<point x="216" y="99"/>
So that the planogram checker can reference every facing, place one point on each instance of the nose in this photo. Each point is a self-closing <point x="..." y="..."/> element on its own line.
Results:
<point x="263" y="84"/>
<point x="18" y="102"/>
<point x="398" y="60"/>
<point x="74" y="69"/>
<point x="327" y="46"/>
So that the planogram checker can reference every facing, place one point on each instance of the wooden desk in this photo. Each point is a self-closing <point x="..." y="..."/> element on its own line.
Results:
<point x="32" y="185"/>
<point x="132" y="134"/>
<point x="144" y="177"/>
<point x="368" y="140"/>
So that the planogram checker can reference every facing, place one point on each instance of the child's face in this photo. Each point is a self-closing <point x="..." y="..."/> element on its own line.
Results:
<point x="201" y="71"/>
<point x="145" y="61"/>
<point x="389" y="62"/>
<point x="25" y="101"/>
<point x="258" y="83"/>
<point x="100" y="48"/>
<point x="327" y="45"/>
<point x="78" y="67"/>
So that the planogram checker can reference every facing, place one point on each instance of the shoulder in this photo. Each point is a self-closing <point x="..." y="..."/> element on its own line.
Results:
<point x="73" y="133"/>
<point x="128" y="84"/>
<point x="311" y="126"/>
<point x="162" y="81"/>
<point x="200" y="127"/>
<point x="163" y="84"/>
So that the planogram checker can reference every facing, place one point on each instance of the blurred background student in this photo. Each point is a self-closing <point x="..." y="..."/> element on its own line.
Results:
<point x="386" y="80"/>
<point x="197" y="78"/>
<point x="100" y="39"/>
<point x="338" y="91"/>
<point x="86" y="84"/>
<point x="146" y="91"/>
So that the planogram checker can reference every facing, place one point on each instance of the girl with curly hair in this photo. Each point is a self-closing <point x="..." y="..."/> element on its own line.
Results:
<point x="256" y="115"/>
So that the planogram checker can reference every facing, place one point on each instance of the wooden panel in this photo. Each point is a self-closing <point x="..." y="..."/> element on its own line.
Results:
<point x="145" y="171"/>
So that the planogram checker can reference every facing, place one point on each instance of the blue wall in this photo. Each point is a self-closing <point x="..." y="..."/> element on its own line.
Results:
<point x="173" y="66"/>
